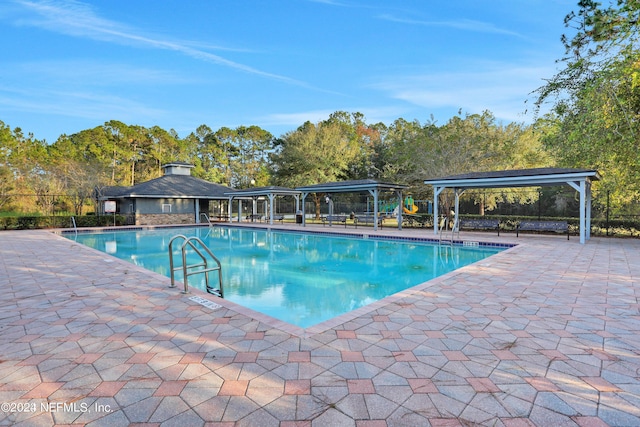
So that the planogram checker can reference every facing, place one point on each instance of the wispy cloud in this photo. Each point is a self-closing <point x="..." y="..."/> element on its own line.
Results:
<point x="373" y="115"/>
<point x="77" y="73"/>
<point x="76" y="103"/>
<point x="329" y="2"/>
<point x="460" y="24"/>
<point x="502" y="89"/>
<point x="78" y="19"/>
<point x="296" y="118"/>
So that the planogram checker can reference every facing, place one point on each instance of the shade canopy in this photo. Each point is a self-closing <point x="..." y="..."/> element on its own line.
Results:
<point x="371" y="186"/>
<point x="578" y="179"/>
<point x="270" y="192"/>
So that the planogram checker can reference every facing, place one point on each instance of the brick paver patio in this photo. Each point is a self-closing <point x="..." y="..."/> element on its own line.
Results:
<point x="544" y="334"/>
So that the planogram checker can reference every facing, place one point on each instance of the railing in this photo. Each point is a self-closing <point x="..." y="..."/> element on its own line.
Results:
<point x="201" y="267"/>
<point x="75" y="226"/>
<point x="444" y="226"/>
<point x="206" y="218"/>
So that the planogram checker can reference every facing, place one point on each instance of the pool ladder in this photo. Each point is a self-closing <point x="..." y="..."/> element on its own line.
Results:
<point x="444" y="225"/>
<point x="198" y="247"/>
<point x="206" y="218"/>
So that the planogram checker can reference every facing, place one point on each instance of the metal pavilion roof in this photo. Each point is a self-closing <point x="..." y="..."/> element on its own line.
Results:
<point x="350" y="186"/>
<point x="515" y="178"/>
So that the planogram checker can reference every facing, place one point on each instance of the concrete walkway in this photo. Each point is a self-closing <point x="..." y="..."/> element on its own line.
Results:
<point x="543" y="334"/>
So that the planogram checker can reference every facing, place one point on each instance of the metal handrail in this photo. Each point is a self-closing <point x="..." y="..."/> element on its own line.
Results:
<point x="206" y="217"/>
<point x="172" y="269"/>
<point x="444" y="225"/>
<point x="75" y="226"/>
<point x="189" y="242"/>
<point x="444" y="222"/>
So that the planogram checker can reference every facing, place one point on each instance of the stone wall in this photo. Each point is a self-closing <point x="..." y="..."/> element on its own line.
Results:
<point x="164" y="219"/>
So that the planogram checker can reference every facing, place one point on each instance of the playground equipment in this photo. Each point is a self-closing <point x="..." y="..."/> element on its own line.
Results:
<point x="409" y="206"/>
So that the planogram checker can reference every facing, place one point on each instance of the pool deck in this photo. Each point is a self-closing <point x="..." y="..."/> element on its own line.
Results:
<point x="544" y="334"/>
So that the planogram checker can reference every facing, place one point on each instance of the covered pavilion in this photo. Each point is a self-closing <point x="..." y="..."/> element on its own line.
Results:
<point x="270" y="192"/>
<point x="371" y="186"/>
<point x="578" y="179"/>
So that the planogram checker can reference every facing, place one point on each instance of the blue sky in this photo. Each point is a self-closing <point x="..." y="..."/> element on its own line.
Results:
<point x="72" y="65"/>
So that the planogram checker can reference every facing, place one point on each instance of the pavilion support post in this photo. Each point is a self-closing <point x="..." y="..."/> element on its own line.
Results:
<point x="436" y="193"/>
<point x="456" y="208"/>
<point x="588" y="213"/>
<point x="230" y="208"/>
<point x="304" y="215"/>
<point x="271" y="198"/>
<point x="399" y="195"/>
<point x="374" y="193"/>
<point x="583" y="212"/>
<point x="581" y="188"/>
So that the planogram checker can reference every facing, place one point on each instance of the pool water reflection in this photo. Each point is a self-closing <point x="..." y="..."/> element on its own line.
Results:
<point x="300" y="278"/>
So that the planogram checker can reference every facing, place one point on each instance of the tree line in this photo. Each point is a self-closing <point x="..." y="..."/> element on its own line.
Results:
<point x="342" y="147"/>
<point x="593" y="123"/>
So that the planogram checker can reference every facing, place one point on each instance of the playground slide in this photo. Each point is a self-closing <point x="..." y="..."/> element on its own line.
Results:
<point x="411" y="210"/>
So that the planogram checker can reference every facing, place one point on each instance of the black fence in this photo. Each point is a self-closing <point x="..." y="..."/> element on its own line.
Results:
<point x="548" y="203"/>
<point x="59" y="221"/>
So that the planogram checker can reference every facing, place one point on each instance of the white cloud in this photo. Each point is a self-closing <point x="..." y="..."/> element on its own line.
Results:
<point x="89" y="105"/>
<point x="372" y="115"/>
<point x="502" y="90"/>
<point x="460" y="24"/>
<point x="78" y="19"/>
<point x="93" y="73"/>
<point x="295" y="119"/>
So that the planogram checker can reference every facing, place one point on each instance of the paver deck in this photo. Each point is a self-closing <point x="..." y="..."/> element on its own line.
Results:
<point x="544" y="334"/>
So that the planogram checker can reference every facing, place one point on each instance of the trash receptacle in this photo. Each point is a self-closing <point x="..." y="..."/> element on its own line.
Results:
<point x="299" y="217"/>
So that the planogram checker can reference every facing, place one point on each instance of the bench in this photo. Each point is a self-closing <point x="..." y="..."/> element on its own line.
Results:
<point x="481" y="224"/>
<point x="277" y="218"/>
<point x="366" y="219"/>
<point x="557" y="226"/>
<point x="334" y="218"/>
<point x="255" y="217"/>
<point x="415" y="220"/>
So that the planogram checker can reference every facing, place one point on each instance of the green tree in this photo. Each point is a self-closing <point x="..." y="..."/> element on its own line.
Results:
<point x="6" y="186"/>
<point x="162" y="147"/>
<point x="312" y="154"/>
<point x="367" y="163"/>
<point x="209" y="157"/>
<point x="474" y="143"/>
<point x="595" y="117"/>
<point x="251" y="166"/>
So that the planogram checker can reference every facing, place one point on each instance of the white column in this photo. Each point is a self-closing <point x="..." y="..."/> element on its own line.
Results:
<point x="304" y="215"/>
<point x="583" y="212"/>
<point x="580" y="187"/>
<point x="399" y="194"/>
<point x="271" y="197"/>
<point x="588" y="213"/>
<point x="436" y="193"/>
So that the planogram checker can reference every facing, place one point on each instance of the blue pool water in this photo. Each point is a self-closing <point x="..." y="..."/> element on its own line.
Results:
<point x="300" y="278"/>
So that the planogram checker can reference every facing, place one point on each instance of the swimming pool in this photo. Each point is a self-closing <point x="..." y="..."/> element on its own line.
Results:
<point x="299" y="278"/>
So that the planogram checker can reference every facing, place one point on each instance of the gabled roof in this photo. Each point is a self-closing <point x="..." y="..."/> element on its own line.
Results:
<point x="112" y="191"/>
<point x="170" y="186"/>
